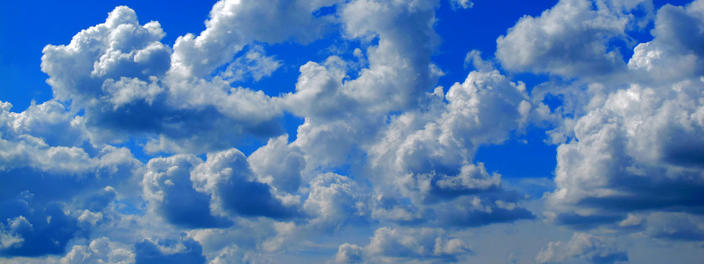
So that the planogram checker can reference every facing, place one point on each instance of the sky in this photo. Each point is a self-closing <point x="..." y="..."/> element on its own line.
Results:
<point x="355" y="131"/>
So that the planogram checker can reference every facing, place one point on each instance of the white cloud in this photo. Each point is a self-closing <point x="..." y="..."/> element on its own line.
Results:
<point x="462" y="4"/>
<point x="390" y="245"/>
<point x="582" y="248"/>
<point x="252" y="65"/>
<point x="235" y="23"/>
<point x="279" y="164"/>
<point x="334" y="200"/>
<point x="349" y="253"/>
<point x="381" y="148"/>
<point x="100" y="250"/>
<point x="570" y="39"/>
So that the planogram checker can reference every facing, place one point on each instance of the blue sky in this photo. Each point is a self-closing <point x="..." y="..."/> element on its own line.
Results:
<point x="362" y="131"/>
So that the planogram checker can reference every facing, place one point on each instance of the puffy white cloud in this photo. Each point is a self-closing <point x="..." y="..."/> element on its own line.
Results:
<point x="333" y="200"/>
<point x="117" y="72"/>
<point x="402" y="153"/>
<point x="436" y="153"/>
<point x="675" y="53"/>
<point x="235" y="23"/>
<point x="349" y="253"/>
<point x="100" y="250"/>
<point x="582" y="248"/>
<point x="427" y="156"/>
<point x="279" y="164"/>
<point x="389" y="245"/>
<point x="571" y="39"/>
<point x="120" y="47"/>
<point x="637" y="148"/>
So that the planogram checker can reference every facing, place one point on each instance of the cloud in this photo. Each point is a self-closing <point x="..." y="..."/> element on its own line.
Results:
<point x="227" y="178"/>
<point x="186" y="251"/>
<point x="279" y="164"/>
<point x="390" y="245"/>
<point x="427" y="156"/>
<point x="349" y="253"/>
<point x="462" y="4"/>
<point x="117" y="72"/>
<point x="35" y="231"/>
<point x="168" y="186"/>
<point x="570" y="39"/>
<point x="638" y="136"/>
<point x="233" y="24"/>
<point x="252" y="65"/>
<point x="52" y="193"/>
<point x="582" y="248"/>
<point x="381" y="147"/>
<point x="675" y="226"/>
<point x="101" y="250"/>
<point x="333" y="201"/>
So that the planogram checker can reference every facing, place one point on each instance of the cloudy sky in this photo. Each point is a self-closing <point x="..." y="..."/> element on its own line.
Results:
<point x="352" y="131"/>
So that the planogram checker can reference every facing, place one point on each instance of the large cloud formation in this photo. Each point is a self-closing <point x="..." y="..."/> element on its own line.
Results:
<point x="385" y="166"/>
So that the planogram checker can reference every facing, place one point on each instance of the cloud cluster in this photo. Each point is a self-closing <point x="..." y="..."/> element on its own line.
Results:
<point x="383" y="168"/>
<point x="638" y="140"/>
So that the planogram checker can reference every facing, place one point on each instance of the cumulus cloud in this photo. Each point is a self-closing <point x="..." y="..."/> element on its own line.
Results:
<point x="101" y="250"/>
<point x="334" y="200"/>
<point x="380" y="149"/>
<point x="279" y="164"/>
<point x="186" y="251"/>
<point x="427" y="156"/>
<point x="233" y="24"/>
<point x="168" y="186"/>
<point x="117" y="72"/>
<point x="227" y="178"/>
<point x="390" y="245"/>
<point x="570" y="39"/>
<point x="582" y="248"/>
<point x="641" y="140"/>
<point x="76" y="179"/>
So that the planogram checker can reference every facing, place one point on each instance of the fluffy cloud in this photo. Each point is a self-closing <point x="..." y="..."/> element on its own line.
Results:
<point x="389" y="245"/>
<point x="381" y="148"/>
<point x="167" y="185"/>
<point x="582" y="248"/>
<point x="117" y="73"/>
<point x="186" y="251"/>
<point x="228" y="179"/>
<point x="278" y="164"/>
<point x="234" y="23"/>
<point x="78" y="180"/>
<point x="641" y="140"/>
<point x="334" y="200"/>
<point x="571" y="39"/>
<point x="100" y="250"/>
<point x="427" y="156"/>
